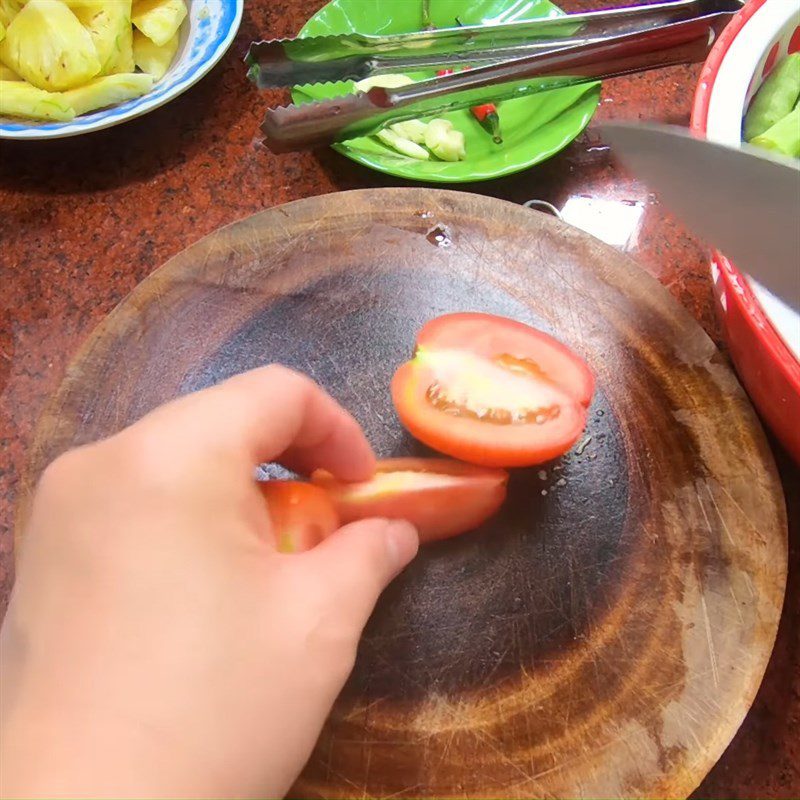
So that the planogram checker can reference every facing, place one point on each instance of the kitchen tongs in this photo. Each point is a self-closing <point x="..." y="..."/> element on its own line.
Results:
<point x="277" y="63"/>
<point x="640" y="38"/>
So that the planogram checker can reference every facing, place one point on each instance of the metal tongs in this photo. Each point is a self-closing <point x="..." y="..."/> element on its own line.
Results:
<point x="507" y="61"/>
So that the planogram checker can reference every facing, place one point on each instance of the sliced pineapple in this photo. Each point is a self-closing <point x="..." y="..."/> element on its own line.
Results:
<point x="151" y="58"/>
<point x="108" y="90"/>
<point x="7" y="74"/>
<point x="47" y="45"/>
<point x="109" y="25"/>
<point x="159" y="20"/>
<point x="20" y="99"/>
<point x="8" y="10"/>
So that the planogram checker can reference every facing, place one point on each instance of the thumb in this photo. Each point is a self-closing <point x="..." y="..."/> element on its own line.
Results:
<point x="358" y="562"/>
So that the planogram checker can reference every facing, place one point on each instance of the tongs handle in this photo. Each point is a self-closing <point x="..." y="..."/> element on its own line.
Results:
<point x="323" y="122"/>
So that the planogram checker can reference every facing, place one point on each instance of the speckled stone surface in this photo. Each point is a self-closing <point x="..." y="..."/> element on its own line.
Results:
<point x="82" y="221"/>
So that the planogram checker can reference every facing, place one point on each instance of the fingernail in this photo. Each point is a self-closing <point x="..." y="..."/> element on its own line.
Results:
<point x="402" y="541"/>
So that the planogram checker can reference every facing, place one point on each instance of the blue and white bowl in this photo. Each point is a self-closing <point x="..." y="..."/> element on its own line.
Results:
<point x="206" y="34"/>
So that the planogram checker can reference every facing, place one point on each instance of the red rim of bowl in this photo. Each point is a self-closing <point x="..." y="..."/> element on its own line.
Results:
<point x="739" y="289"/>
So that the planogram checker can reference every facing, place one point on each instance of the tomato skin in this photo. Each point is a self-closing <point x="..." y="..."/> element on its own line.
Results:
<point x="441" y="497"/>
<point x="302" y="515"/>
<point x="560" y="378"/>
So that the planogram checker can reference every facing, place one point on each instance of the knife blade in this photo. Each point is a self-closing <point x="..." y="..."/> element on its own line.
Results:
<point x="743" y="201"/>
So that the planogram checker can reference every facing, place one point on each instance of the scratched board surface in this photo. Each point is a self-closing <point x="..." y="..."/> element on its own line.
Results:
<point x="604" y="635"/>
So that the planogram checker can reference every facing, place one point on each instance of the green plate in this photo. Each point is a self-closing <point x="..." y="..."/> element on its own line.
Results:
<point x="534" y="128"/>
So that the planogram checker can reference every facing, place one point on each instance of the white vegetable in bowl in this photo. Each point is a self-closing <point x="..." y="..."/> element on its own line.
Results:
<point x="406" y="137"/>
<point x="402" y="145"/>
<point x="412" y="129"/>
<point x="444" y="141"/>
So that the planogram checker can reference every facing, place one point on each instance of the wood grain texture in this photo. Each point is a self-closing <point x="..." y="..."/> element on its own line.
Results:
<point x="605" y="635"/>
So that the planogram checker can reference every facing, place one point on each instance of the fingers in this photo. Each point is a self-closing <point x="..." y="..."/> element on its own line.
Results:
<point x="359" y="561"/>
<point x="265" y="415"/>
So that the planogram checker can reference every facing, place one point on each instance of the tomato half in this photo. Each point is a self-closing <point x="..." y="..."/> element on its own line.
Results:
<point x="493" y="391"/>
<point x="302" y="515"/>
<point x="441" y="497"/>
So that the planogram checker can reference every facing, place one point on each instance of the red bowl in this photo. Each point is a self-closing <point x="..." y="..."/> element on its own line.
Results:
<point x="767" y="365"/>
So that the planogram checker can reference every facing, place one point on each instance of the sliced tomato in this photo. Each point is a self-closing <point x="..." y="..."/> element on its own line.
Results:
<point x="441" y="497"/>
<point x="493" y="391"/>
<point x="302" y="515"/>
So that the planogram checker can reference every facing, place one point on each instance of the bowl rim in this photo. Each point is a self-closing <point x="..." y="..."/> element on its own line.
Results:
<point x="68" y="129"/>
<point x="739" y="289"/>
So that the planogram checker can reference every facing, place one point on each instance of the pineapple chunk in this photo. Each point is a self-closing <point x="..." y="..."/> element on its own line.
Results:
<point x="47" y="45"/>
<point x="109" y="25"/>
<point x="2" y="31"/>
<point x="8" y="10"/>
<point x="108" y="90"/>
<point x="20" y="99"/>
<point x="159" y="20"/>
<point x="7" y="74"/>
<point x="150" y="57"/>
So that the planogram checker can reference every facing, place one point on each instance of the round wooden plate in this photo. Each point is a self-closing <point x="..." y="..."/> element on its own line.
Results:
<point x="606" y="633"/>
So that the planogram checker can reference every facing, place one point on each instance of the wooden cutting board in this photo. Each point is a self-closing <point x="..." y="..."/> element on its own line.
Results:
<point x="606" y="633"/>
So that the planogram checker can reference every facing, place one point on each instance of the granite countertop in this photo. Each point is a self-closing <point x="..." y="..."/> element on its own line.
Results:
<point x="83" y="220"/>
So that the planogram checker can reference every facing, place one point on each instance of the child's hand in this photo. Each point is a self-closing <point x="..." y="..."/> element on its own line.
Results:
<point x="156" y="643"/>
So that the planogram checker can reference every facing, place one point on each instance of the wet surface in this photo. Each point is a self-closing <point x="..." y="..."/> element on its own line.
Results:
<point x="84" y="220"/>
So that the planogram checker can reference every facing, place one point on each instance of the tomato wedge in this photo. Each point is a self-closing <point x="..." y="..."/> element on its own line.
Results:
<point x="441" y="497"/>
<point x="493" y="391"/>
<point x="302" y="515"/>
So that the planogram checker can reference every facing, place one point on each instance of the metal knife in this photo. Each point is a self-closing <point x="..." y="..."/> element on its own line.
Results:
<point x="744" y="201"/>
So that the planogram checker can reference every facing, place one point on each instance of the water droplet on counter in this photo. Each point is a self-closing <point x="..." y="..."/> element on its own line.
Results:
<point x="544" y="492"/>
<point x="439" y="236"/>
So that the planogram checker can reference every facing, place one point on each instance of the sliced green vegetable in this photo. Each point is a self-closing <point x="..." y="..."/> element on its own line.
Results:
<point x="412" y="129"/>
<point x="444" y="141"/>
<point x="775" y="99"/>
<point x="404" y="146"/>
<point x="783" y="136"/>
<point x="384" y="81"/>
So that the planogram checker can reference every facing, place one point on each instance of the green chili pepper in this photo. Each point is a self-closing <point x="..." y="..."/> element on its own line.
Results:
<point x="783" y="136"/>
<point x="775" y="99"/>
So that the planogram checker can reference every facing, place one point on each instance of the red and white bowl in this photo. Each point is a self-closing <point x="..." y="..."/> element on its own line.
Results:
<point x="762" y="332"/>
